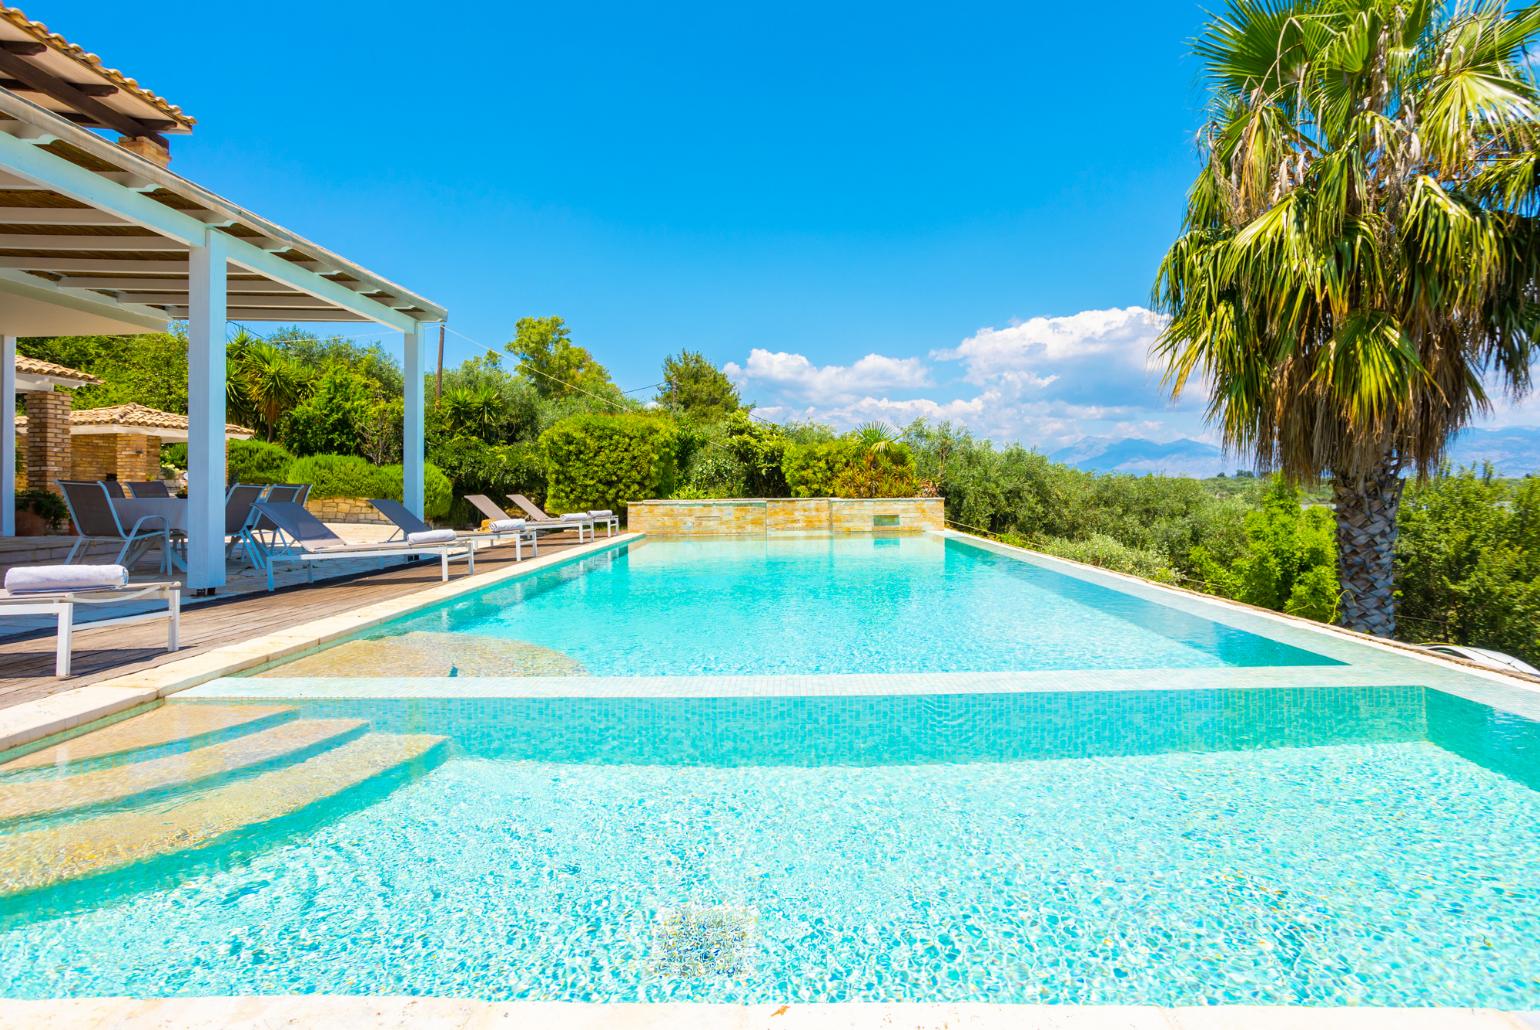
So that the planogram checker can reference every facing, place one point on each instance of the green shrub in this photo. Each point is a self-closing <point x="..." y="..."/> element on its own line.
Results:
<point x="346" y="475"/>
<point x="607" y="461"/>
<point x="252" y="461"/>
<point x="475" y="467"/>
<point x="45" y="504"/>
<point x="1105" y="552"/>
<point x="886" y="470"/>
<point x="811" y="468"/>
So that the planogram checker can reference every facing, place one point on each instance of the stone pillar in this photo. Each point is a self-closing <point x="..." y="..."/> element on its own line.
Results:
<point x="48" y="440"/>
<point x="131" y="460"/>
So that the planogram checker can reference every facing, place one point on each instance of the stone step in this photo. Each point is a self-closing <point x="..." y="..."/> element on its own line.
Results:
<point x="285" y="742"/>
<point x="54" y="854"/>
<point x="186" y="725"/>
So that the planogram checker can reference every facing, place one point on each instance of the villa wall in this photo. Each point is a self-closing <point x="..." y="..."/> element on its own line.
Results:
<point x="353" y="510"/>
<point x="131" y="457"/>
<point x="762" y="516"/>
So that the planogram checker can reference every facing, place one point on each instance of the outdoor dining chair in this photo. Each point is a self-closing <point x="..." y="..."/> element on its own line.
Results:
<point x="91" y="510"/>
<point x="153" y="488"/>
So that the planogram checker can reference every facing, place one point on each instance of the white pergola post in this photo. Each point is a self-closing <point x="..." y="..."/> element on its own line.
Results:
<point x="7" y="436"/>
<point x="206" y="266"/>
<point x="412" y="442"/>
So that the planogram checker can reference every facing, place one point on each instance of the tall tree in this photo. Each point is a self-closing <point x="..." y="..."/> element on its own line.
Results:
<point x="694" y="386"/>
<point x="554" y="365"/>
<point x="264" y="383"/>
<point x="1360" y="252"/>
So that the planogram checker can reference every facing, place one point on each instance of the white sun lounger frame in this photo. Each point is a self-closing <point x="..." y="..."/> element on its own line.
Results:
<point x="61" y="605"/>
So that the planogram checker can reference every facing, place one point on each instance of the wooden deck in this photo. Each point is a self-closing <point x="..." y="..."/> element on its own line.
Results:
<point x="26" y="663"/>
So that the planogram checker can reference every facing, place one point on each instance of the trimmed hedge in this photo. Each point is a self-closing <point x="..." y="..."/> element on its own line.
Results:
<point x="252" y="461"/>
<point x="346" y="475"/>
<point x="608" y="461"/>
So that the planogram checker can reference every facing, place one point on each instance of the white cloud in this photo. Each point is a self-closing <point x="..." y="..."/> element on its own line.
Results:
<point x="1093" y="357"/>
<point x="1044" y="382"/>
<point x="795" y="375"/>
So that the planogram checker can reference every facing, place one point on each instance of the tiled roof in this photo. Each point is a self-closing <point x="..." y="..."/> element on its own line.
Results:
<point x="39" y="367"/>
<point x="134" y="416"/>
<point x="38" y="31"/>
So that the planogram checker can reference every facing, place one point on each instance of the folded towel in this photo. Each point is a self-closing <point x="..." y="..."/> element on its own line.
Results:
<point x="58" y="579"/>
<point x="576" y="516"/>
<point x="432" y="536"/>
<point x="601" y="513"/>
<point x="507" y="525"/>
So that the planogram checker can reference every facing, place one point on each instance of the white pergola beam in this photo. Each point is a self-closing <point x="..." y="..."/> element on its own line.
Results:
<point x="7" y="436"/>
<point x="57" y="216"/>
<point x="102" y="191"/>
<point x="294" y="301"/>
<point x="63" y="266"/>
<point x="39" y="241"/>
<point x="206" y="414"/>
<point x="84" y="301"/>
<point x="131" y="284"/>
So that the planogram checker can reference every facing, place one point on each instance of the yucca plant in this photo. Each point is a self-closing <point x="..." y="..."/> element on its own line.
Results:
<point x="1358" y="264"/>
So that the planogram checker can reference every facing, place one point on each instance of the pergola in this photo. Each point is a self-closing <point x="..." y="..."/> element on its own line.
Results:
<point x="97" y="235"/>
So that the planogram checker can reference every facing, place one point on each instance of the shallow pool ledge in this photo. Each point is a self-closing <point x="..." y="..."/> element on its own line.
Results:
<point x="319" y="1010"/>
<point x="71" y="710"/>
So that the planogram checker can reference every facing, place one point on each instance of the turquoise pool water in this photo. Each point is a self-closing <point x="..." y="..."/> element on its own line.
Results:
<point x="1327" y="846"/>
<point x="837" y="606"/>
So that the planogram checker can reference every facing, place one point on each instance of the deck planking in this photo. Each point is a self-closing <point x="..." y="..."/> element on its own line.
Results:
<point x="27" y="663"/>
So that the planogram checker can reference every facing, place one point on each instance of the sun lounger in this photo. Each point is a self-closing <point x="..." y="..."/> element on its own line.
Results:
<point x="581" y="519"/>
<point x="57" y="590"/>
<point x="496" y="517"/>
<point x="414" y="530"/>
<point x="311" y="541"/>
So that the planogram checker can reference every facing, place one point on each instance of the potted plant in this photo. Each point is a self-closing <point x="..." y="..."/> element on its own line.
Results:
<point x="40" y="512"/>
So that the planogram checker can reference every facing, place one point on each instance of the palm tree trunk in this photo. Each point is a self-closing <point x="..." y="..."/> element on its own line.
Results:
<point x="1366" y="544"/>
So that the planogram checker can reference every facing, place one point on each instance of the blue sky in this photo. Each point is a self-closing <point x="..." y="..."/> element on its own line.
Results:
<point x="862" y="210"/>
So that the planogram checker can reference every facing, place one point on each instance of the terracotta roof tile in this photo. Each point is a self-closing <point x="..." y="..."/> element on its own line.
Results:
<point x="38" y="31"/>
<point x="39" y="367"/>
<point x="134" y="416"/>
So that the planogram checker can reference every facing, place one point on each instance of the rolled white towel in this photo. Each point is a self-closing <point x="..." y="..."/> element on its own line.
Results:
<point x="58" y="579"/>
<point x="600" y="513"/>
<point x="432" y="536"/>
<point x="576" y="516"/>
<point x="507" y="525"/>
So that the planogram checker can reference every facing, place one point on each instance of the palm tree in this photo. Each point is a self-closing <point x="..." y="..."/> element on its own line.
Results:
<point x="270" y="382"/>
<point x="1358" y="263"/>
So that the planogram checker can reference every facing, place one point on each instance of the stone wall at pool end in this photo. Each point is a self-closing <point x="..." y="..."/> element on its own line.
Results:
<point x="763" y="516"/>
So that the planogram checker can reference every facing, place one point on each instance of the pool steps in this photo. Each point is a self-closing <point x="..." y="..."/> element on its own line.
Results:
<point x="252" y="767"/>
<point x="281" y="744"/>
<point x="174" y="727"/>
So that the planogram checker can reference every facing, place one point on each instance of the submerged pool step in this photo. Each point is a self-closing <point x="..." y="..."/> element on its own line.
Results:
<point x="54" y="854"/>
<point x="183" y="725"/>
<point x="283" y="743"/>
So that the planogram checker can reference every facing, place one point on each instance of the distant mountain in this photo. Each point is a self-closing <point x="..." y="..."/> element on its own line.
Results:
<point x="1514" y="451"/>
<point x="1138" y="457"/>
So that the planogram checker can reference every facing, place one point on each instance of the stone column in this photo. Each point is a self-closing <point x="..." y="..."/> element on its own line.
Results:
<point x="48" y="440"/>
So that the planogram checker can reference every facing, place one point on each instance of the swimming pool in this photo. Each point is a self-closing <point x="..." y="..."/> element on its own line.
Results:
<point x="860" y="769"/>
<point x="826" y="606"/>
<point x="1341" y="847"/>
